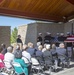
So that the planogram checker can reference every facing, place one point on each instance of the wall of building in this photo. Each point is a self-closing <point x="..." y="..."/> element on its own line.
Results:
<point x="30" y="32"/>
<point x="50" y="27"/>
<point x="5" y="33"/>
<point x="22" y="30"/>
<point x="68" y="27"/>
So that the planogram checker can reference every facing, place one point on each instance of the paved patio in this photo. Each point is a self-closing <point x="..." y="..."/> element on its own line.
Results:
<point x="65" y="71"/>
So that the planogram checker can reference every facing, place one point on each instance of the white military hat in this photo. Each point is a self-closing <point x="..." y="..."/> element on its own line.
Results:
<point x="40" y="33"/>
<point x="68" y="32"/>
<point x="48" y="32"/>
<point x="61" y="33"/>
<point x="57" y="33"/>
<point x="47" y="46"/>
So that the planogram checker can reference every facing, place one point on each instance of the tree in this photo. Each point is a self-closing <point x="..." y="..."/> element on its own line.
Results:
<point x="14" y="35"/>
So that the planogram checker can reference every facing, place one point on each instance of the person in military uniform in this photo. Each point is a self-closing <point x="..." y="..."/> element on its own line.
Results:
<point x="61" y="38"/>
<point x="47" y="38"/>
<point x="39" y="38"/>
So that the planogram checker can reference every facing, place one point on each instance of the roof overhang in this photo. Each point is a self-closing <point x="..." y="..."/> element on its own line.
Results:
<point x="51" y="10"/>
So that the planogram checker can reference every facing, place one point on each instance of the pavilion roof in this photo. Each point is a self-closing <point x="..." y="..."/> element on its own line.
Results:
<point x="50" y="10"/>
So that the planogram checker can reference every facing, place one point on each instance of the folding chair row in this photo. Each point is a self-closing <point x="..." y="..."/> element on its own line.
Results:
<point x="36" y="67"/>
<point x="12" y="70"/>
<point x="64" y="60"/>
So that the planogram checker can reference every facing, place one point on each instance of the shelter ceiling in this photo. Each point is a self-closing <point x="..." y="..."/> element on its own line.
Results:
<point x="50" y="10"/>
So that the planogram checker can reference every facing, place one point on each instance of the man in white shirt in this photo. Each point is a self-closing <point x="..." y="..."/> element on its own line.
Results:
<point x="25" y="55"/>
<point x="9" y="57"/>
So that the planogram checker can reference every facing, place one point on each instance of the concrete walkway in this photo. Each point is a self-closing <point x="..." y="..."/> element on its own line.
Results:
<point x="65" y="71"/>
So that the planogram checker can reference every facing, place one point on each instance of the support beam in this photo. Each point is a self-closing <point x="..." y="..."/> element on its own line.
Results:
<point x="14" y="13"/>
<point x="70" y="17"/>
<point x="71" y="1"/>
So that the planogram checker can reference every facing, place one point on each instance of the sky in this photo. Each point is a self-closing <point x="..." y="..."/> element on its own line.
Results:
<point x="14" y="22"/>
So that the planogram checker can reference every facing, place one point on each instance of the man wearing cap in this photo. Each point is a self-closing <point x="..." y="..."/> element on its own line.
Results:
<point x="56" y="41"/>
<point x="39" y="38"/>
<point x="61" y="38"/>
<point x="47" y="38"/>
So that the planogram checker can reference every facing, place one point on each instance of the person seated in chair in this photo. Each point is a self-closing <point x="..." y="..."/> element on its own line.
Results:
<point x="3" y="46"/>
<point x="26" y="57"/>
<point x="24" y="67"/>
<point x="1" y="58"/>
<point x="61" y="52"/>
<point x="47" y="56"/>
<point x="9" y="57"/>
<point x="39" y="54"/>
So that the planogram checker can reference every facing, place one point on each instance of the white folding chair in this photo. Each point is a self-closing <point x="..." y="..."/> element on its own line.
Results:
<point x="65" y="61"/>
<point x="16" y="64"/>
<point x="36" y="65"/>
<point x="5" y="70"/>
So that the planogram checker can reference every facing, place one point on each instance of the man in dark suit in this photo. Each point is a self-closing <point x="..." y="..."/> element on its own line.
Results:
<point x="18" y="40"/>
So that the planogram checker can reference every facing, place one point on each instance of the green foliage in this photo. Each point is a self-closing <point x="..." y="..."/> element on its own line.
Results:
<point x="14" y="35"/>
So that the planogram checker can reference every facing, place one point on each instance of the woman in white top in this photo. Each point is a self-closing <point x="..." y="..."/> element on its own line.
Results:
<point x="26" y="57"/>
<point x="9" y="57"/>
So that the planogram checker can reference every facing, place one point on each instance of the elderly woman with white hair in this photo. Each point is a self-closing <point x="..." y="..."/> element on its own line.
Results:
<point x="61" y="52"/>
<point x="47" y="52"/>
<point x="47" y="56"/>
<point x="39" y="51"/>
<point x="9" y="57"/>
<point x="31" y="49"/>
<point x="39" y="54"/>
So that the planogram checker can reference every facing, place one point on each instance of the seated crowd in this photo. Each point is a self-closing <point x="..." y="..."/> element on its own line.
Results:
<point x="49" y="54"/>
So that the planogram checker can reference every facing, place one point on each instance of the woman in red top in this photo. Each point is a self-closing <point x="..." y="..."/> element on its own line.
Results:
<point x="1" y="58"/>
